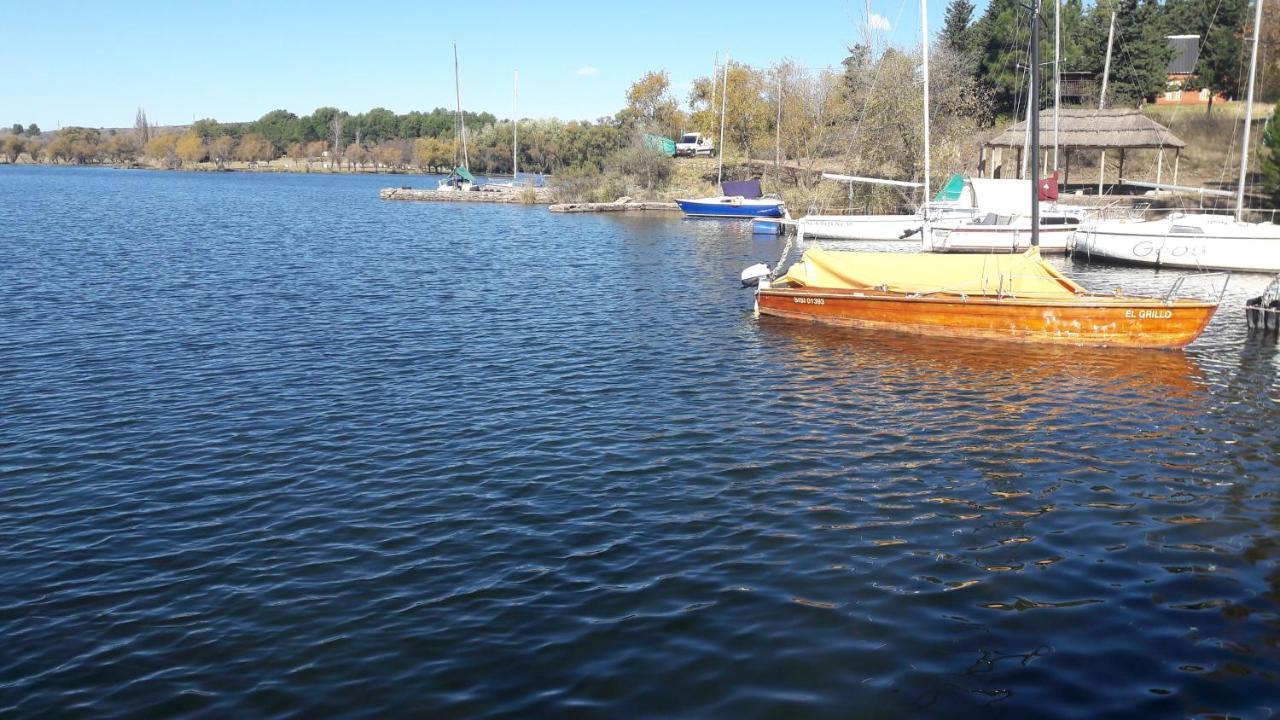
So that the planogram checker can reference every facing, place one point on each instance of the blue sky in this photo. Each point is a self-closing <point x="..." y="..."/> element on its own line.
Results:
<point x="94" y="64"/>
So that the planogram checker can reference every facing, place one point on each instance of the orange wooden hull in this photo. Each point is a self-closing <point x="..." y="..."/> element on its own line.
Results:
<point x="1087" y="320"/>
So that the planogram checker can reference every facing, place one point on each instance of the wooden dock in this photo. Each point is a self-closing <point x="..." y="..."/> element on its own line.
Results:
<point x="516" y="196"/>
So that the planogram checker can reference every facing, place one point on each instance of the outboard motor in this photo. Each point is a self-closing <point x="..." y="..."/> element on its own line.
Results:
<point x="752" y="276"/>
<point x="1263" y="312"/>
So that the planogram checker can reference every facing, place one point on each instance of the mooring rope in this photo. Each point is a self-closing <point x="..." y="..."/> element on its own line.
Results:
<point x="786" y="250"/>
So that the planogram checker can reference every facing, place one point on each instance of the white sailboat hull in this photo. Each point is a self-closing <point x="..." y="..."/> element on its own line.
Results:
<point x="997" y="238"/>
<point x="1198" y="242"/>
<point x="876" y="227"/>
<point x="860" y="227"/>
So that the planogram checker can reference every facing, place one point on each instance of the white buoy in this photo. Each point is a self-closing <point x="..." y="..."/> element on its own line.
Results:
<point x="751" y="276"/>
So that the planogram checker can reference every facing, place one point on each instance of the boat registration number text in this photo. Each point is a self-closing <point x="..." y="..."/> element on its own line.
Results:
<point x="1149" y="314"/>
<point x="809" y="301"/>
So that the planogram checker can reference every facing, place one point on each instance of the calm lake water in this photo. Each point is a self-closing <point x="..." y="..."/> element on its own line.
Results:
<point x="272" y="446"/>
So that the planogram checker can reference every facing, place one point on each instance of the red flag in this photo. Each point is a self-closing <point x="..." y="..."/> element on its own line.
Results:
<point x="1049" y="187"/>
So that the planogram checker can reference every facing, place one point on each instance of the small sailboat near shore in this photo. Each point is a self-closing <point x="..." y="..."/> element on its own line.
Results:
<point x="1015" y="297"/>
<point x="742" y="199"/>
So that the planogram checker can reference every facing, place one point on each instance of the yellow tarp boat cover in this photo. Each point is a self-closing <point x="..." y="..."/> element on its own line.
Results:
<point x="1013" y="275"/>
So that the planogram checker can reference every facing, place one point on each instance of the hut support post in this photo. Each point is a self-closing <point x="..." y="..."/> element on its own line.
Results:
<point x="981" y="154"/>
<point x="1120" y="175"/>
<point x="1159" y="165"/>
<point x="1102" y="170"/>
<point x="1019" y="164"/>
<point x="1066" y="167"/>
<point x="1177" y="155"/>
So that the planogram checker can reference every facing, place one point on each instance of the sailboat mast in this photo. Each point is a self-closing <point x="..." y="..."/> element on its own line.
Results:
<point x="924" y="51"/>
<point x="1026" y="140"/>
<point x="1248" y="112"/>
<point x="515" y="131"/>
<point x="724" y="97"/>
<point x="462" y="124"/>
<point x="1106" y="68"/>
<point x="777" y="130"/>
<point x="1057" y="75"/>
<point x="715" y="80"/>
<point x="1034" y="103"/>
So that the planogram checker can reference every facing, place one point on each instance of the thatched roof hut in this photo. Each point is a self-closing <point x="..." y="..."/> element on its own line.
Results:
<point x="1095" y="130"/>
<point x="1119" y="129"/>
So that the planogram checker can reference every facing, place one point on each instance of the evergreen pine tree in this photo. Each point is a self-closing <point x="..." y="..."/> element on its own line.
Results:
<point x="1269" y="158"/>
<point x="1140" y="53"/>
<point x="1222" y="51"/>
<point x="955" y="28"/>
<point x="1000" y="39"/>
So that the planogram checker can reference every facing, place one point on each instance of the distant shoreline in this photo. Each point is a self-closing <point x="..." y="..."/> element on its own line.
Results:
<point x="274" y="166"/>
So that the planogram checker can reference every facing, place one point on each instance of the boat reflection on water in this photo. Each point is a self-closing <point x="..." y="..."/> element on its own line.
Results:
<point x="1070" y="372"/>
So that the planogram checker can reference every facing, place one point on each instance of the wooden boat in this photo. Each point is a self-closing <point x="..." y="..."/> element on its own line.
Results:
<point x="1002" y="297"/>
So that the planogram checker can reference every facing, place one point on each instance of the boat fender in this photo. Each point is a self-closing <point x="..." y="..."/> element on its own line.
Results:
<point x="751" y="276"/>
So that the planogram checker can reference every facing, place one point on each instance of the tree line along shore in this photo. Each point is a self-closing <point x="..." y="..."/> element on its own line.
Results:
<point x="853" y="117"/>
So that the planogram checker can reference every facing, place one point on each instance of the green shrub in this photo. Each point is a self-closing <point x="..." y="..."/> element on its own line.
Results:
<point x="577" y="183"/>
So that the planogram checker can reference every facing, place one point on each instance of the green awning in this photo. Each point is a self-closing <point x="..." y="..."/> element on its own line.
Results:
<point x="464" y="174"/>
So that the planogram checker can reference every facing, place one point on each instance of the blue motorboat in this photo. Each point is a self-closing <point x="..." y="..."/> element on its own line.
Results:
<point x="740" y="200"/>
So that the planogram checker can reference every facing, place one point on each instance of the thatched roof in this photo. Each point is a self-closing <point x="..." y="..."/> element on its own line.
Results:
<point x="1111" y="128"/>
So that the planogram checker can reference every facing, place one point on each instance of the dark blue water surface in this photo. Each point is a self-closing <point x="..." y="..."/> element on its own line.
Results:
<point x="272" y="446"/>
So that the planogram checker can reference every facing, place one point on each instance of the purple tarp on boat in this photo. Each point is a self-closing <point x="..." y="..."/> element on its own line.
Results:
<point x="745" y="188"/>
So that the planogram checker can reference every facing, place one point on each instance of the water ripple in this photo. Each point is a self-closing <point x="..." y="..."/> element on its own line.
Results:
<point x="274" y="447"/>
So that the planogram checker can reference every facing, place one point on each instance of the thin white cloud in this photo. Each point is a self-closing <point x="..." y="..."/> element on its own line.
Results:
<point x="878" y="22"/>
<point x="588" y="71"/>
